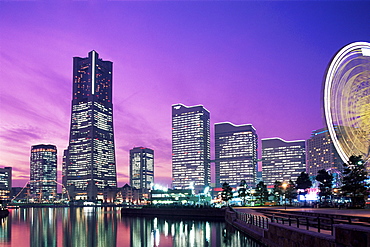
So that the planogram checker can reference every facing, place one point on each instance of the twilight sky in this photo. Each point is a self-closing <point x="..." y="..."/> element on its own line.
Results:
<point x="246" y="61"/>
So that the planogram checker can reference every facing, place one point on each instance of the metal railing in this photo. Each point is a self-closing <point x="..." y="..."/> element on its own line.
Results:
<point x="316" y="223"/>
<point x="256" y="220"/>
<point x="309" y="223"/>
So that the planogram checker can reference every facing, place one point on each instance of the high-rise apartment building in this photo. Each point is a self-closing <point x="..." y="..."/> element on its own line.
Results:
<point x="235" y="154"/>
<point x="141" y="168"/>
<point x="190" y="146"/>
<point x="5" y="183"/>
<point x="321" y="153"/>
<point x="282" y="160"/>
<point x="43" y="172"/>
<point x="91" y="162"/>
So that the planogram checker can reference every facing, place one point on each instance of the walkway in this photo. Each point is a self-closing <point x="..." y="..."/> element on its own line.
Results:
<point x="308" y="218"/>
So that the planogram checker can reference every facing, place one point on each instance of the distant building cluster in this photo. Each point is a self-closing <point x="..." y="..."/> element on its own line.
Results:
<point x="89" y="162"/>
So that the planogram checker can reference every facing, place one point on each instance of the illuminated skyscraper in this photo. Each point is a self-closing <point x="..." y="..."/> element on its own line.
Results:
<point x="235" y="154"/>
<point x="5" y="183"/>
<point x="190" y="146"/>
<point x="91" y="163"/>
<point x="141" y="167"/>
<point x="321" y="153"/>
<point x="282" y="160"/>
<point x="43" y="172"/>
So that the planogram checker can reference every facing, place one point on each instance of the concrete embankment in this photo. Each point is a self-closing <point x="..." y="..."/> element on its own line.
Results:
<point x="278" y="235"/>
<point x="198" y="213"/>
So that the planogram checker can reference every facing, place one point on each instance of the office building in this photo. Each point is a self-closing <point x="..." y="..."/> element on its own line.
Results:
<point x="235" y="154"/>
<point x="43" y="172"/>
<point x="91" y="162"/>
<point x="282" y="160"/>
<point x="321" y="153"/>
<point x="190" y="147"/>
<point x="5" y="183"/>
<point x="141" y="168"/>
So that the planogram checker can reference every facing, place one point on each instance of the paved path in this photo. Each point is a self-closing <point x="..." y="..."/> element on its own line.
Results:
<point x="335" y="211"/>
<point x="328" y="211"/>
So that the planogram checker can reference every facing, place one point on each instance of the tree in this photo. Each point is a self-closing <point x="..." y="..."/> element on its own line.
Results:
<point x="226" y="193"/>
<point x="354" y="184"/>
<point x="261" y="192"/>
<point x="278" y="190"/>
<point x="243" y="187"/>
<point x="291" y="191"/>
<point x="325" y="183"/>
<point x="303" y="182"/>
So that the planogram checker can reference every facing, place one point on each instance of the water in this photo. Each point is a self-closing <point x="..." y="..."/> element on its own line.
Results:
<point x="98" y="227"/>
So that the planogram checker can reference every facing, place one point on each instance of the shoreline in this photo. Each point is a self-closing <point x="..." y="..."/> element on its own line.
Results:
<point x="177" y="212"/>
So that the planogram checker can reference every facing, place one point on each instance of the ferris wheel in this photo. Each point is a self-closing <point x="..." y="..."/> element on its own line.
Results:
<point x="346" y="100"/>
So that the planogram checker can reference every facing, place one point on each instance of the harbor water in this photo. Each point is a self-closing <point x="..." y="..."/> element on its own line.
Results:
<point x="100" y="227"/>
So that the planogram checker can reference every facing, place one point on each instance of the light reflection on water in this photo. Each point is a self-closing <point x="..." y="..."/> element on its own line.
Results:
<point x="100" y="227"/>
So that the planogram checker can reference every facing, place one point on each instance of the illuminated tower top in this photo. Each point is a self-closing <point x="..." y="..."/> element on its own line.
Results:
<point x="92" y="88"/>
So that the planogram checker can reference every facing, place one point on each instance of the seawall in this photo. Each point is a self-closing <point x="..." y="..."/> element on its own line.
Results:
<point x="278" y="235"/>
<point x="173" y="212"/>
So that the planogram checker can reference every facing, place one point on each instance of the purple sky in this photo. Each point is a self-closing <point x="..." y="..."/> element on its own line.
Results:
<point x="246" y="62"/>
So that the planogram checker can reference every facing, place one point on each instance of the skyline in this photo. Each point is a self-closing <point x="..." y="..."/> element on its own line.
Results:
<point x="259" y="63"/>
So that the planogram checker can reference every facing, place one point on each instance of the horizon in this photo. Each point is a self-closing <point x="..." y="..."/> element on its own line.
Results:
<point x="259" y="63"/>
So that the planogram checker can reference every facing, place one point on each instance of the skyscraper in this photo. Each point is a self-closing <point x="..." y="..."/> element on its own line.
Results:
<point x="235" y="154"/>
<point x="43" y="172"/>
<point x="282" y="160"/>
<point x="190" y="146"/>
<point x="91" y="162"/>
<point x="141" y="167"/>
<point x="5" y="183"/>
<point x="321" y="153"/>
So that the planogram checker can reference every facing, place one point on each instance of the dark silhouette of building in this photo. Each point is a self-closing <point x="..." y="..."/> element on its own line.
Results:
<point x="190" y="146"/>
<point x="89" y="162"/>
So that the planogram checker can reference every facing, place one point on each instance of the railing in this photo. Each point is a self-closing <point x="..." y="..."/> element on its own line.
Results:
<point x="252" y="219"/>
<point x="306" y="222"/>
<point x="317" y="223"/>
<point x="313" y="221"/>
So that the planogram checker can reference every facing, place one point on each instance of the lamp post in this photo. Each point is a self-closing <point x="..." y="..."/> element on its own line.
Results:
<point x="284" y="186"/>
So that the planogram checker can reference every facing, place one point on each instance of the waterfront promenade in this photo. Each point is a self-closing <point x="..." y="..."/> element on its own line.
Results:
<point x="277" y="226"/>
<point x="329" y="211"/>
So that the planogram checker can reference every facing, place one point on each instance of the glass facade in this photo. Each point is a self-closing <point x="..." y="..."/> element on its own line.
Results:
<point x="43" y="172"/>
<point x="321" y="153"/>
<point x="141" y="168"/>
<point x="91" y="152"/>
<point x="282" y="160"/>
<point x="190" y="146"/>
<point x="235" y="154"/>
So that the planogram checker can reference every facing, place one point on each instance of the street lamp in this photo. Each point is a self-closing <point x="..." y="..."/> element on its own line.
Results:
<point x="284" y="186"/>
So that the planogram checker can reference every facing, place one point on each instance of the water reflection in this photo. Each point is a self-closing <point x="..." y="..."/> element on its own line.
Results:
<point x="98" y="227"/>
<point x="185" y="233"/>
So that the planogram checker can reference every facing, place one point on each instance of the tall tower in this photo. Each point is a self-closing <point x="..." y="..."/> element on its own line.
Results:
<point x="141" y="167"/>
<point x="190" y="146"/>
<point x="282" y="160"/>
<point x="91" y="162"/>
<point x="235" y="154"/>
<point x="43" y="172"/>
